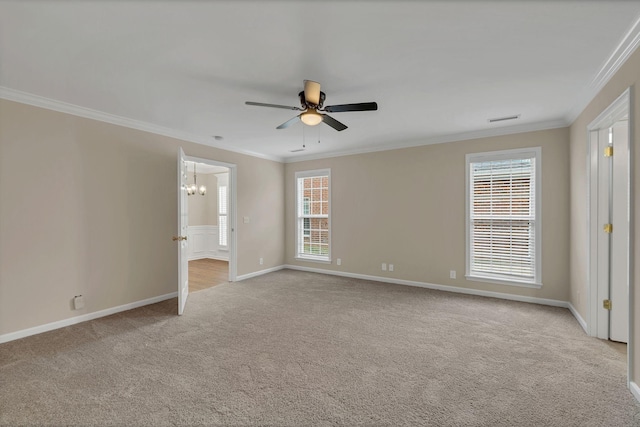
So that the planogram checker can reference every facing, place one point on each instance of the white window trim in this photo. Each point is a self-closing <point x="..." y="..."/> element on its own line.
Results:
<point x="535" y="152"/>
<point x="226" y="215"/>
<point x="305" y="257"/>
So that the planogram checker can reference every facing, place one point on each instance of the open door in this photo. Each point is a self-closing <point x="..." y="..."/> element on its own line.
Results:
<point x="183" y="244"/>
<point x="610" y="222"/>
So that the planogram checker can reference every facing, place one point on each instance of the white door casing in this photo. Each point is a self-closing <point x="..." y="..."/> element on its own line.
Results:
<point x="183" y="243"/>
<point x="232" y="209"/>
<point x="610" y="203"/>
<point x="619" y="266"/>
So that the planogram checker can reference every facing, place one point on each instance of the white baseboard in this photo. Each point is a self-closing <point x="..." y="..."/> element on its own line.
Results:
<point x="83" y="318"/>
<point x="217" y="257"/>
<point x="500" y="295"/>
<point x="259" y="273"/>
<point x="635" y="390"/>
<point x="579" y="318"/>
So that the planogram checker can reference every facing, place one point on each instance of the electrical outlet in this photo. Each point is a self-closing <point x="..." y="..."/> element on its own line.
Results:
<point x="339" y="261"/>
<point x="452" y="274"/>
<point x="261" y="261"/>
<point x="384" y="266"/>
<point x="390" y="267"/>
<point x="78" y="302"/>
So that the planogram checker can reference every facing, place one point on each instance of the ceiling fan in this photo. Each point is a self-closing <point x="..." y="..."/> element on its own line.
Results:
<point x="312" y="102"/>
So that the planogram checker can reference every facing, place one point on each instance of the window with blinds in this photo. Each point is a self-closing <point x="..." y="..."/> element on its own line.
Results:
<point x="313" y="215"/>
<point x="503" y="216"/>
<point x="222" y="215"/>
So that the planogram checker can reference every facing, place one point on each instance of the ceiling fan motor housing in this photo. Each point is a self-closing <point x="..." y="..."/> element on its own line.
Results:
<point x="305" y="104"/>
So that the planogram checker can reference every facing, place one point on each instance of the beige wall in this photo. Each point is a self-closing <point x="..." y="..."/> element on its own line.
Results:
<point x="90" y="208"/>
<point x="203" y="210"/>
<point x="628" y="75"/>
<point x="407" y="207"/>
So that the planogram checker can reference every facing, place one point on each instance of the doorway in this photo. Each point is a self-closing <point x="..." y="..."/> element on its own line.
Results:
<point x="213" y="236"/>
<point x="208" y="232"/>
<point x="610" y="223"/>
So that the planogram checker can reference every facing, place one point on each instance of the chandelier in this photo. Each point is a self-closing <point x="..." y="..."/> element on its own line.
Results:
<point x="193" y="188"/>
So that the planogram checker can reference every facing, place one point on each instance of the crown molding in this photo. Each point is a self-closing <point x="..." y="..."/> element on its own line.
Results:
<point x="465" y="136"/>
<point x="622" y="52"/>
<point x="88" y="113"/>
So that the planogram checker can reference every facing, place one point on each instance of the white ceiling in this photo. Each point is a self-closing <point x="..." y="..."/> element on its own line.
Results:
<point x="438" y="69"/>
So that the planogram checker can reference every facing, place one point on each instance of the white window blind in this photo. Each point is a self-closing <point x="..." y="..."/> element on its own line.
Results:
<point x="222" y="215"/>
<point x="312" y="214"/>
<point x="503" y="223"/>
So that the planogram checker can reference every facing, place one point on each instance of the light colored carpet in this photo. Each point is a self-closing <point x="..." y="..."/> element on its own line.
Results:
<point x="302" y="349"/>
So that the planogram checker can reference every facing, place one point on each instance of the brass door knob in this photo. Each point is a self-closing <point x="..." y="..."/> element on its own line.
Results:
<point x="179" y="238"/>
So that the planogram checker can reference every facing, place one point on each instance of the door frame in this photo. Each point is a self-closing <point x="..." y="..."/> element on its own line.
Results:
<point x="233" y="243"/>
<point x="595" y="321"/>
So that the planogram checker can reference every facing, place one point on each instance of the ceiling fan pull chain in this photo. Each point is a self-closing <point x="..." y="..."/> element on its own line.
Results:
<point x="303" y="139"/>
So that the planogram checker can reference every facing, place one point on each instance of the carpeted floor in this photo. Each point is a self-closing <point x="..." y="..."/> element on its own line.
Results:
<point x="302" y="349"/>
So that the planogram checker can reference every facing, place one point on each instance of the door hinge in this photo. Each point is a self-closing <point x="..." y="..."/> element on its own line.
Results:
<point x="608" y="228"/>
<point x="606" y="304"/>
<point x="608" y="151"/>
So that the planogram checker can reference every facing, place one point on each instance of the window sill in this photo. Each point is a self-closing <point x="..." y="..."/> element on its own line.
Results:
<point x="499" y="281"/>
<point x="318" y="260"/>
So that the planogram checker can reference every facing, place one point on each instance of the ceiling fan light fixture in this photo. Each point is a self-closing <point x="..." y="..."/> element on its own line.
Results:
<point x="311" y="118"/>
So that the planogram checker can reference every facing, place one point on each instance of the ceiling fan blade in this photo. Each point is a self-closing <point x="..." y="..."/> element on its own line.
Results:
<point x="260" y="104"/>
<point x="312" y="92"/>
<point x="333" y="122"/>
<point x="363" y="106"/>
<point x="289" y="122"/>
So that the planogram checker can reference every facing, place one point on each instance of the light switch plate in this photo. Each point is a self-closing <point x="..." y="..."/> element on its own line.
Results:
<point x="245" y="220"/>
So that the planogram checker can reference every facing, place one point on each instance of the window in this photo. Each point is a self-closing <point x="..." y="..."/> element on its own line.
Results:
<point x="313" y="215"/>
<point x="222" y="215"/>
<point x="503" y="217"/>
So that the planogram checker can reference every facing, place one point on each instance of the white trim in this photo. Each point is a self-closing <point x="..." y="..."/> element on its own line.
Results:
<point x="446" y="288"/>
<point x="83" y="318"/>
<point x="311" y="259"/>
<point x="502" y="281"/>
<point x="259" y="273"/>
<point x="88" y="113"/>
<point x="632" y="228"/>
<point x="455" y="137"/>
<point x="217" y="258"/>
<point x="620" y="55"/>
<point x="579" y="318"/>
<point x="635" y="390"/>
<point x="598" y="325"/>
<point x="211" y="250"/>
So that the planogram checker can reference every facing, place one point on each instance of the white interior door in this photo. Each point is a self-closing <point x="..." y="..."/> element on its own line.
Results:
<point x="183" y="243"/>
<point x="604" y="238"/>
<point x="619" y="283"/>
<point x="610" y="203"/>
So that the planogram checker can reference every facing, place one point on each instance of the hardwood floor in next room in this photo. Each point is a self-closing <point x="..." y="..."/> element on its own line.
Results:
<point x="206" y="273"/>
